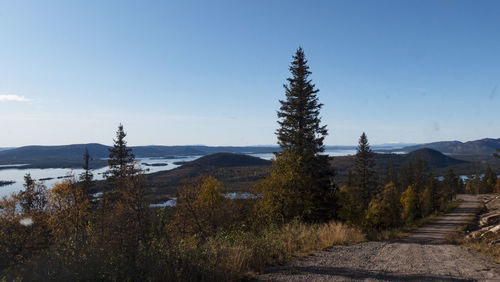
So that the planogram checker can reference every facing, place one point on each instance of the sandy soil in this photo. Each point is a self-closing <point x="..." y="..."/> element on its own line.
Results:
<point x="424" y="256"/>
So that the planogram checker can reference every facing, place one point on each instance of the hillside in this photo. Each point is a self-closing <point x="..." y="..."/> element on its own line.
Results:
<point x="240" y="172"/>
<point x="433" y="158"/>
<point x="226" y="160"/>
<point x="54" y="156"/>
<point x="237" y="172"/>
<point x="436" y="162"/>
<point x="483" y="147"/>
<point x="70" y="156"/>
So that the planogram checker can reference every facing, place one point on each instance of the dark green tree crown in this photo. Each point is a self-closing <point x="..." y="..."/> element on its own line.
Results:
<point x="364" y="170"/>
<point x="120" y="156"/>
<point x="300" y="124"/>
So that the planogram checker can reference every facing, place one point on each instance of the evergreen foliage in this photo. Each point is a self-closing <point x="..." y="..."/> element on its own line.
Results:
<point x="86" y="177"/>
<point x="300" y="124"/>
<point x="364" y="171"/>
<point x="121" y="159"/>
<point x="301" y="137"/>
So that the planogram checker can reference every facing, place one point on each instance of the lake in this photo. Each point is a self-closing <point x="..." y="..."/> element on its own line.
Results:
<point x="58" y="174"/>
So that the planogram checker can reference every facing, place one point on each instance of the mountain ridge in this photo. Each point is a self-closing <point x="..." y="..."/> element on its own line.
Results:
<point x="484" y="147"/>
<point x="71" y="156"/>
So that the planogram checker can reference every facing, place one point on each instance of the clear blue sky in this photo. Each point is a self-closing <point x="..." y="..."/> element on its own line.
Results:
<point x="211" y="72"/>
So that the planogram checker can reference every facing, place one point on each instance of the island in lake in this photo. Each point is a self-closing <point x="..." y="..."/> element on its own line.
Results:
<point x="6" y="183"/>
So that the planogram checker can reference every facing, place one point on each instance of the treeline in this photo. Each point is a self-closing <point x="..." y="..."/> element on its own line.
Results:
<point x="486" y="182"/>
<point x="396" y="198"/>
<point x="73" y="232"/>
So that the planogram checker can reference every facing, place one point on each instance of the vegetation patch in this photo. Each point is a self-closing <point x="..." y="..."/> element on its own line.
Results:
<point x="479" y="234"/>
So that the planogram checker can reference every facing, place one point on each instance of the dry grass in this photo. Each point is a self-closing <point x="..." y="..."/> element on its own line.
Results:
<point x="238" y="255"/>
<point x="483" y="247"/>
<point x="300" y="239"/>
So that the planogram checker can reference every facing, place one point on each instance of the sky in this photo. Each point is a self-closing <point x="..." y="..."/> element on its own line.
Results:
<point x="212" y="72"/>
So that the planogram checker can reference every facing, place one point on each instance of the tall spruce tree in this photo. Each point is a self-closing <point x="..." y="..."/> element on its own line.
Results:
<point x="86" y="177"/>
<point x="301" y="134"/>
<point x="121" y="159"/>
<point x="364" y="171"/>
<point x="300" y="124"/>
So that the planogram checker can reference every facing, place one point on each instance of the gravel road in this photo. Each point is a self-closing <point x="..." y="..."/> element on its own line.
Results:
<point x="424" y="256"/>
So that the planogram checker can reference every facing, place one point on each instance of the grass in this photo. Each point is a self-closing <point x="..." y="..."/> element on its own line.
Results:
<point x="483" y="247"/>
<point x="240" y="255"/>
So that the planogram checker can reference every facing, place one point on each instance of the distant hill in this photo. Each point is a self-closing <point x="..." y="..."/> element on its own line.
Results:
<point x="54" y="156"/>
<point x="377" y="147"/>
<point x="70" y="156"/>
<point x="237" y="172"/>
<point x="482" y="147"/>
<point x="226" y="160"/>
<point x="433" y="158"/>
<point x="240" y="172"/>
<point x="436" y="161"/>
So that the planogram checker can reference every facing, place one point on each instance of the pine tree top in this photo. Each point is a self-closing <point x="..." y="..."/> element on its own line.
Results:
<point x="121" y="158"/>
<point x="363" y="145"/>
<point x="120" y="154"/>
<point x="300" y="124"/>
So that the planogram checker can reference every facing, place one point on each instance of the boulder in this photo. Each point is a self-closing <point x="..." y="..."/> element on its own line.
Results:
<point x="486" y="233"/>
<point x="492" y="218"/>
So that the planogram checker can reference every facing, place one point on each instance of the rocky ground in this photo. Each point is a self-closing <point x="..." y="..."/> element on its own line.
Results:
<point x="488" y="222"/>
<point x="424" y="256"/>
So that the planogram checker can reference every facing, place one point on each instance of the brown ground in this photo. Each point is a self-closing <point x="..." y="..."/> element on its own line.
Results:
<point x="424" y="256"/>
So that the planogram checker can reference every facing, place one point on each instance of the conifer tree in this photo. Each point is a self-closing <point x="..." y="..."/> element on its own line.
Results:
<point x="300" y="124"/>
<point x="364" y="170"/>
<point x="86" y="177"/>
<point x="121" y="159"/>
<point x="301" y="137"/>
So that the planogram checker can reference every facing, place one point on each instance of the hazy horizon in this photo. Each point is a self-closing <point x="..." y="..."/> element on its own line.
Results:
<point x="250" y="145"/>
<point x="186" y="72"/>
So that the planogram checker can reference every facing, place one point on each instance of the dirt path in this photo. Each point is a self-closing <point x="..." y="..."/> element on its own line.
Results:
<point x="424" y="256"/>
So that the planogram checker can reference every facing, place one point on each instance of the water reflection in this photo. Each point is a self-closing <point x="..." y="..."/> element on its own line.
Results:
<point x="50" y="176"/>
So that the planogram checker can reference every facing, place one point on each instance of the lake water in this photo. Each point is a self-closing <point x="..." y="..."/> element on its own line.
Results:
<point x="58" y="174"/>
